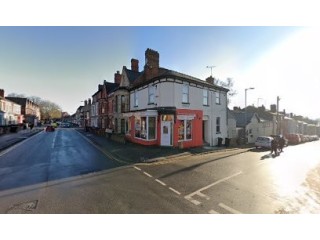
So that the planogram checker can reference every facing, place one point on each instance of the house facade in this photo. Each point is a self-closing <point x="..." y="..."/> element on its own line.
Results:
<point x="10" y="112"/>
<point x="168" y="108"/>
<point x="29" y="109"/>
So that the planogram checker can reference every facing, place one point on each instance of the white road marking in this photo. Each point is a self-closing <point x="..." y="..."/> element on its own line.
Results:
<point x="229" y="208"/>
<point x="213" y="212"/>
<point x="162" y="183"/>
<point x="198" y="192"/>
<point x="139" y="169"/>
<point x="147" y="174"/>
<point x="175" y="191"/>
<point x="54" y="140"/>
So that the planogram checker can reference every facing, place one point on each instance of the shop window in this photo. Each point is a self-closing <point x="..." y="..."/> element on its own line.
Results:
<point x="185" y="130"/>
<point x="145" y="128"/>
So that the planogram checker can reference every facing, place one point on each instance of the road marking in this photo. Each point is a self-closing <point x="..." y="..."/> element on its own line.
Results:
<point x="147" y="174"/>
<point x="139" y="169"/>
<point x="162" y="183"/>
<point x="54" y="140"/>
<point x="213" y="212"/>
<point x="198" y="192"/>
<point x="175" y="191"/>
<point x="229" y="208"/>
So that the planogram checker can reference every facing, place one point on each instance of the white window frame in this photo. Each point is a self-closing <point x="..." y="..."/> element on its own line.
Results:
<point x="151" y="94"/>
<point x="205" y="100"/>
<point x="185" y="130"/>
<point x="135" y="99"/>
<point x="185" y="93"/>
<point x="218" y="98"/>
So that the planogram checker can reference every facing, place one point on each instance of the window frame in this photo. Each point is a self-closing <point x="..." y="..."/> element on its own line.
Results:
<point x="218" y="98"/>
<point x="205" y="97"/>
<point x="151" y="94"/>
<point x="185" y="93"/>
<point x="218" y="125"/>
<point x="145" y="127"/>
<point x="184" y="123"/>
<point x="135" y="99"/>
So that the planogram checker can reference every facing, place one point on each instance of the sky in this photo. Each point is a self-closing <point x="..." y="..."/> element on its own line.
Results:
<point x="65" y="64"/>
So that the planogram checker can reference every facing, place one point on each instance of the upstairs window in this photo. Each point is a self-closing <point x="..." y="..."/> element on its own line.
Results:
<point x="205" y="97"/>
<point x="135" y="99"/>
<point x="185" y="93"/>
<point x="218" y="98"/>
<point x="151" y="92"/>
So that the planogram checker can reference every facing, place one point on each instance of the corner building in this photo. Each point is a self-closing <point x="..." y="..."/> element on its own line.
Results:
<point x="168" y="108"/>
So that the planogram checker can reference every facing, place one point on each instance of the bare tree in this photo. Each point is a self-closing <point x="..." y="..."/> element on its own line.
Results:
<point x="229" y="85"/>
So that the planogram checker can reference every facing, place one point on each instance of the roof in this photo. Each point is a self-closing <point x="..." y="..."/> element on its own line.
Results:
<point x="132" y="75"/>
<point x="163" y="72"/>
<point x="241" y="118"/>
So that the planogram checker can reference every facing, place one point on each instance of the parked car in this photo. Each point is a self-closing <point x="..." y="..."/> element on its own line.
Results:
<point x="49" y="128"/>
<point x="263" y="142"/>
<point x="277" y="137"/>
<point x="294" y="138"/>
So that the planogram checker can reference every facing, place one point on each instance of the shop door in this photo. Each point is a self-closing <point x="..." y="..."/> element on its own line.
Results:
<point x="166" y="133"/>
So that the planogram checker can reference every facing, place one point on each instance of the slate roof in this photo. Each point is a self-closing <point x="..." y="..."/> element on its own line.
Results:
<point x="132" y="75"/>
<point x="163" y="72"/>
<point x="241" y="118"/>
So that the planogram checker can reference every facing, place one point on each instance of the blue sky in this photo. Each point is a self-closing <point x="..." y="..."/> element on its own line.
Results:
<point x="65" y="64"/>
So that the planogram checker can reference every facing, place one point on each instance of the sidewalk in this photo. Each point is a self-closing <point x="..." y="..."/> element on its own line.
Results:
<point x="134" y="153"/>
<point x="9" y="139"/>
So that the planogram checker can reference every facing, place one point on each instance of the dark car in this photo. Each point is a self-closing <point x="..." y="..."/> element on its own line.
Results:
<point x="49" y="129"/>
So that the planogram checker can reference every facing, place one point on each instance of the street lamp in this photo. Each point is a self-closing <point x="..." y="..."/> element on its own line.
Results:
<point x="245" y="113"/>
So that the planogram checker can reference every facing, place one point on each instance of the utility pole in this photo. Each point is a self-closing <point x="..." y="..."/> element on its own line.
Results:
<point x="278" y="122"/>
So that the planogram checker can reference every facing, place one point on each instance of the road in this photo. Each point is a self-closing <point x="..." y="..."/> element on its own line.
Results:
<point x="62" y="172"/>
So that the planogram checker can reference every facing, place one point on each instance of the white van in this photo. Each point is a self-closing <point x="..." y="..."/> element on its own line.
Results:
<point x="263" y="142"/>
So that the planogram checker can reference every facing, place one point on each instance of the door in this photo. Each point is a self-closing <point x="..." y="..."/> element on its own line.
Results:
<point x="166" y="133"/>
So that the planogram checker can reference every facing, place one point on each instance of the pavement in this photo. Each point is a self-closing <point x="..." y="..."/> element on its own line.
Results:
<point x="128" y="153"/>
<point x="9" y="139"/>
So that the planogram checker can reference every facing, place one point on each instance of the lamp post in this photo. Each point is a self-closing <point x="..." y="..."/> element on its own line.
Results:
<point x="245" y="113"/>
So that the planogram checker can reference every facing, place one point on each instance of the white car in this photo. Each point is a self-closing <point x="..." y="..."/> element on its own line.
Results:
<point x="263" y="142"/>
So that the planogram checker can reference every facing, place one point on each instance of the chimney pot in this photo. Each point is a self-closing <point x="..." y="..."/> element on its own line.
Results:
<point x="135" y="65"/>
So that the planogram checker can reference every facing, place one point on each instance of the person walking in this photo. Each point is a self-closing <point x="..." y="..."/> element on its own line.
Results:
<point x="274" y="146"/>
<point x="281" y="143"/>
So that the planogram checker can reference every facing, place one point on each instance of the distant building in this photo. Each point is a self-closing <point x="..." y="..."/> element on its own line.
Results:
<point x="29" y="109"/>
<point x="10" y="112"/>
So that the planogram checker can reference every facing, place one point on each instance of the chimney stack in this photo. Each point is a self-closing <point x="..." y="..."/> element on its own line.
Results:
<point x="89" y="101"/>
<point x="210" y="80"/>
<point x="135" y="65"/>
<point x="2" y="93"/>
<point x="151" y="67"/>
<point x="273" y="108"/>
<point x="117" y="77"/>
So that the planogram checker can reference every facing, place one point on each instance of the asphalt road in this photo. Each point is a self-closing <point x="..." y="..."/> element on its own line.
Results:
<point x="50" y="156"/>
<point x="62" y="172"/>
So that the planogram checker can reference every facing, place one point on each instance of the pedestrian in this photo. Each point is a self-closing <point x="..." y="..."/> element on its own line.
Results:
<point x="281" y="143"/>
<point x="274" y="146"/>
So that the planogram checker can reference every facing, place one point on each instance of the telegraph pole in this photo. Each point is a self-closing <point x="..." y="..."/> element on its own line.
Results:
<point x="278" y="122"/>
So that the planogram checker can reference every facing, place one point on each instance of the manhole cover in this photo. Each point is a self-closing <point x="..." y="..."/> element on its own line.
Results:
<point x="23" y="207"/>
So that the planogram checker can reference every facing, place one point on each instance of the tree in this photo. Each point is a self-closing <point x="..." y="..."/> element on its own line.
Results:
<point x="48" y="109"/>
<point x="229" y="85"/>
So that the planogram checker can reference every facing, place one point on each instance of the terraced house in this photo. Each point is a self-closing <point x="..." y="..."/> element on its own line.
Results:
<point x="158" y="106"/>
<point x="168" y="108"/>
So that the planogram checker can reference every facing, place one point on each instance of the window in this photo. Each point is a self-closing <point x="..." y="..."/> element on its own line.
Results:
<point x="128" y="126"/>
<point x="218" y="124"/>
<point x="205" y="97"/>
<point x="123" y="104"/>
<point x="185" y="130"/>
<point x="217" y="98"/>
<point x="151" y="94"/>
<point x="135" y="99"/>
<point x="185" y="93"/>
<point x="145" y="128"/>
